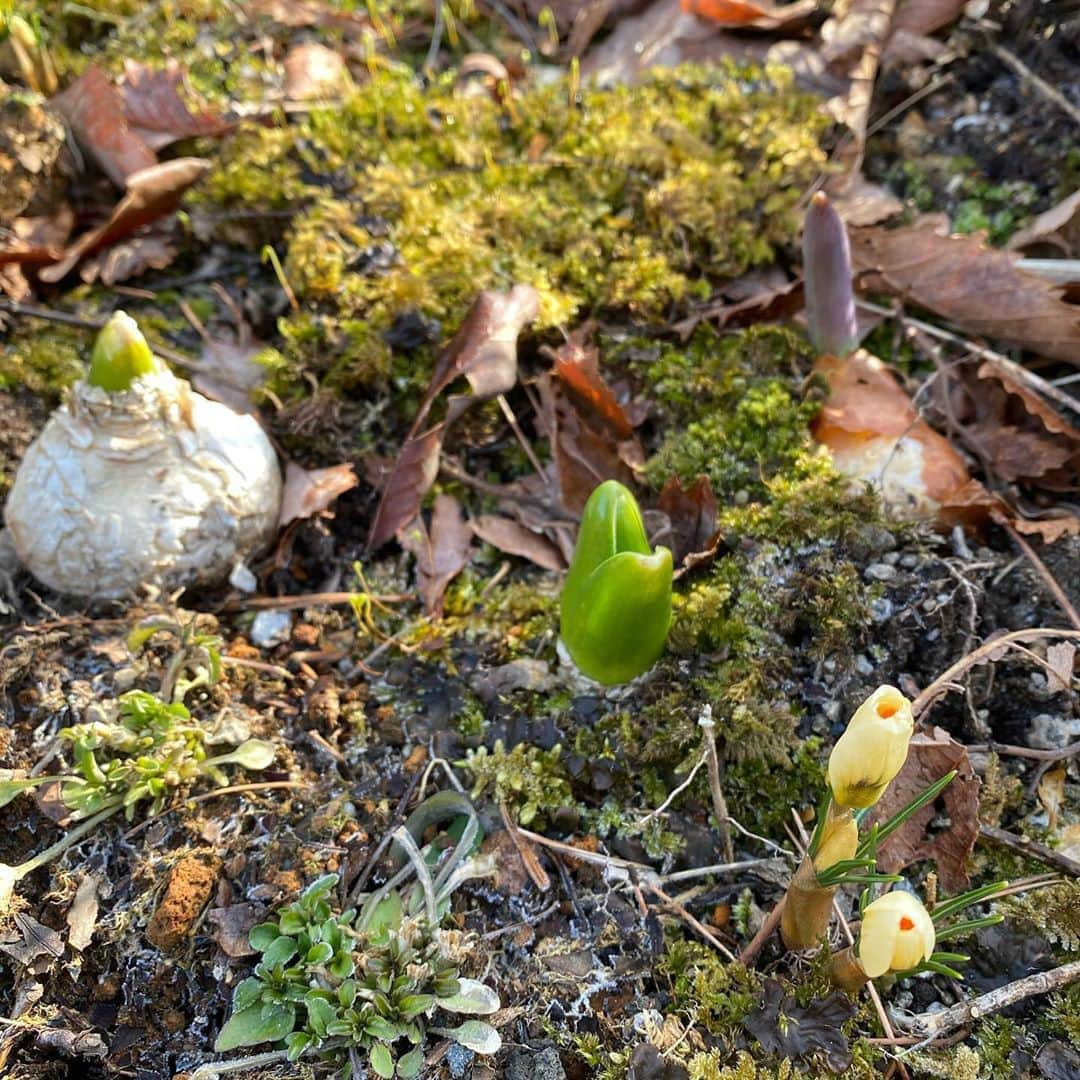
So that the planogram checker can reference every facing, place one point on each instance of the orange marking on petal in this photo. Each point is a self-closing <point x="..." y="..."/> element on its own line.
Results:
<point x="906" y="923"/>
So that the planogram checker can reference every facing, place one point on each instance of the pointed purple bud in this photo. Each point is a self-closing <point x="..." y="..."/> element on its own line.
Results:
<point x="830" y="299"/>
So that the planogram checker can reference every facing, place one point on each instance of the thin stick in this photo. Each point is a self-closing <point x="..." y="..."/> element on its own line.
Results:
<point x="708" y="729"/>
<point x="1041" y="569"/>
<point x="993" y="1002"/>
<point x="1031" y="849"/>
<point x="981" y="655"/>
<point x="234" y="789"/>
<point x="292" y="603"/>
<point x="1026" y="751"/>
<point x="528" y="857"/>
<point x="1051" y="93"/>
<point x="214" y="1069"/>
<point x="524" y="443"/>
<point x="673" y="796"/>
<point x="768" y="928"/>
<point x="1020" y="374"/>
<point x="691" y="921"/>
<point x="718" y="868"/>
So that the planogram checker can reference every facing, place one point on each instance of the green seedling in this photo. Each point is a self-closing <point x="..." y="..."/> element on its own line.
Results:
<point x="364" y="987"/>
<point x="121" y="355"/>
<point x="616" y="603"/>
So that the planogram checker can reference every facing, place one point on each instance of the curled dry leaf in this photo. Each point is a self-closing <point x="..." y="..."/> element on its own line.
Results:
<point x="37" y="240"/>
<point x="979" y="288"/>
<point x="930" y="756"/>
<point x="155" y="110"/>
<point x="577" y="366"/>
<point x="784" y="1027"/>
<point x="734" y="13"/>
<point x="94" y="110"/>
<point x="151" y="194"/>
<point x="693" y="515"/>
<point x="442" y="551"/>
<point x="128" y="259"/>
<point x="1051" y="792"/>
<point x="875" y="434"/>
<point x="308" y="492"/>
<point x="484" y="352"/>
<point x="513" y="538"/>
<point x="1061" y="658"/>
<point x="314" y="72"/>
<point x="1054" y="233"/>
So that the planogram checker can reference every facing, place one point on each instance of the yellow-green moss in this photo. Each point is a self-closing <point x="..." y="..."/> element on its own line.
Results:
<point x="532" y="782"/>
<point x="44" y="358"/>
<point x="628" y="199"/>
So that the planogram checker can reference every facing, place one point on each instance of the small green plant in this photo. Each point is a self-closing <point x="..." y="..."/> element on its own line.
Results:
<point x="121" y="355"/>
<point x="365" y="986"/>
<point x="529" y="780"/>
<point x="616" y="603"/>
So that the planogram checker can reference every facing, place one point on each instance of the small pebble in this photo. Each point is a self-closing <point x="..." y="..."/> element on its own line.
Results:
<point x="863" y="665"/>
<point x="881" y="609"/>
<point x="1049" y="732"/>
<point x="271" y="628"/>
<point x="909" y="562"/>
<point x="880" y="571"/>
<point x="243" y="580"/>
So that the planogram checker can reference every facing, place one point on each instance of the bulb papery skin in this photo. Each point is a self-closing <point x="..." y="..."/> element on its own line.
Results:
<point x="873" y="749"/>
<point x="153" y="486"/>
<point x="897" y="934"/>
<point x="830" y="299"/>
<point x="839" y="841"/>
<point x="615" y="608"/>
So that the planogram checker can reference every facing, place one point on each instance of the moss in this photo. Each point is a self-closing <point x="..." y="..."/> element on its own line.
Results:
<point x="627" y="199"/>
<point x="45" y="359"/>
<point x="532" y="782"/>
<point x="1063" y="1014"/>
<point x="1054" y="912"/>
<point x="712" y="994"/>
<point x="956" y="1063"/>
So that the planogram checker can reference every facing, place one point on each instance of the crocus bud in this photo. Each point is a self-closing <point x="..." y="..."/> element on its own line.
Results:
<point x="616" y="603"/>
<point x="830" y="299"/>
<point x="120" y="355"/>
<point x="839" y="841"/>
<point x="897" y="934"/>
<point x="872" y="750"/>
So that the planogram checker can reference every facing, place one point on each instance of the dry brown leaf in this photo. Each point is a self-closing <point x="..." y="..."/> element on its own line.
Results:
<point x="82" y="915"/>
<point x="1061" y="659"/>
<point x="874" y="433"/>
<point x="128" y="259"/>
<point x="151" y="194"/>
<point x="1054" y="233"/>
<point x="314" y="72"/>
<point x="442" y="551"/>
<point x="484" y="351"/>
<point x="94" y="110"/>
<point x="978" y="288"/>
<point x="577" y="366"/>
<point x="1051" y="792"/>
<point x="232" y="925"/>
<point x="926" y="16"/>
<point x="37" y="240"/>
<point x="228" y="371"/>
<point x="513" y="538"/>
<point x="764" y="305"/>
<point x="308" y="492"/>
<point x="156" y="111"/>
<point x="930" y="756"/>
<point x="297" y="13"/>
<point x="693" y="515"/>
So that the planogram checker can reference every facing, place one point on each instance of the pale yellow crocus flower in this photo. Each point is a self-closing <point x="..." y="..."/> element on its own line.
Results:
<point x="897" y="934"/>
<point x="872" y="750"/>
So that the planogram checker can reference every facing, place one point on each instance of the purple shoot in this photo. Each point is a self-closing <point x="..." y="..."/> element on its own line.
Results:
<point x="830" y="299"/>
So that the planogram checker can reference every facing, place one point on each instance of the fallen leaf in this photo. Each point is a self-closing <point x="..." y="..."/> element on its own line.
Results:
<point x="979" y="288"/>
<point x="33" y="941"/>
<point x="82" y="915"/>
<point x="151" y="194"/>
<point x="693" y="515"/>
<point x="930" y="756"/>
<point x="1055" y="233"/>
<point x="155" y="110"/>
<point x="314" y="72"/>
<point x="308" y="492"/>
<point x="228" y="371"/>
<point x="784" y="1027"/>
<point x="232" y="925"/>
<point x="1050" y="529"/>
<point x="94" y="110"/>
<point x="128" y="259"/>
<point x="1051" y="792"/>
<point x="926" y="16"/>
<point x="875" y="434"/>
<point x="734" y="13"/>
<point x="766" y="305"/>
<point x="859" y="202"/>
<point x="37" y="240"/>
<point x="578" y="368"/>
<point x="489" y="684"/>
<point x="1061" y="658"/>
<point x="513" y="538"/>
<point x="442" y="551"/>
<point x="484" y="352"/>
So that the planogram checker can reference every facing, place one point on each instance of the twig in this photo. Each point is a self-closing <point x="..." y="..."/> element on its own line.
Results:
<point x="673" y="796"/>
<point x="1042" y="570"/>
<point x="982" y="654"/>
<point x="540" y="916"/>
<point x="1026" y="751"/>
<point x="214" y="1069"/>
<point x="993" y="1002"/>
<point x="524" y="443"/>
<point x="528" y="857"/>
<point x="766" y="931"/>
<point x="384" y="843"/>
<point x="234" y="789"/>
<point x="1021" y="374"/>
<point x="292" y="603"/>
<point x="1031" y="849"/>
<point x="1051" y="93"/>
<point x="32" y="311"/>
<point x="692" y="922"/>
<point x="717" y="868"/>
<point x="708" y="729"/>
